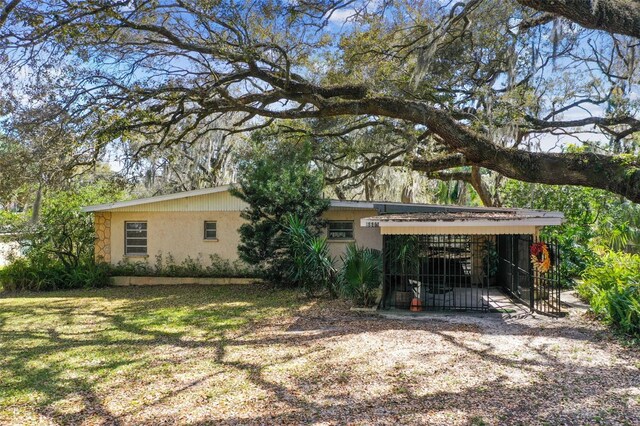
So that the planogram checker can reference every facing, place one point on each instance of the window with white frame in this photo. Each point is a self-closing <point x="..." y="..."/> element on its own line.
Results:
<point x="210" y="230"/>
<point x="340" y="230"/>
<point x="135" y="238"/>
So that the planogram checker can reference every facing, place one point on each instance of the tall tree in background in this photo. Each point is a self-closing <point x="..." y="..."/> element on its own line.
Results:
<point x="475" y="86"/>
<point x="277" y="181"/>
<point x="200" y="162"/>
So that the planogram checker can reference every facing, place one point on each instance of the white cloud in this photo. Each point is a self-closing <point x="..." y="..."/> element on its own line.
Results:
<point x="341" y="16"/>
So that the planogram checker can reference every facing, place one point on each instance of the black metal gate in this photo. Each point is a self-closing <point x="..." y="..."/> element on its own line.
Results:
<point x="455" y="272"/>
<point x="540" y="291"/>
<point x="546" y="286"/>
<point x="439" y="272"/>
<point x="514" y="266"/>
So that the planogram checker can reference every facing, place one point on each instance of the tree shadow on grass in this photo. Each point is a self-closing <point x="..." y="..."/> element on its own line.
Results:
<point x="135" y="329"/>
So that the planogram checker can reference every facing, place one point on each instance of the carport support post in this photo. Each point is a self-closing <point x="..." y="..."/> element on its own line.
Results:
<point x="515" y="274"/>
<point x="383" y="297"/>
<point x="534" y="274"/>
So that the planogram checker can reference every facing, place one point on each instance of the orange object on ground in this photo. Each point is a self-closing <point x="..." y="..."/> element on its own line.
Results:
<point x="416" y="305"/>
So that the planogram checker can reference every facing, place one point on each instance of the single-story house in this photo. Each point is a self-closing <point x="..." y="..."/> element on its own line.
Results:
<point x="444" y="256"/>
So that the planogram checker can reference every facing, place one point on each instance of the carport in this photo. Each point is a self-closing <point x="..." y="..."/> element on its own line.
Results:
<point x="460" y="260"/>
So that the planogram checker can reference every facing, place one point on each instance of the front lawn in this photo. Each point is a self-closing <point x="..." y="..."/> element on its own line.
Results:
<point x="98" y="354"/>
<point x="242" y="354"/>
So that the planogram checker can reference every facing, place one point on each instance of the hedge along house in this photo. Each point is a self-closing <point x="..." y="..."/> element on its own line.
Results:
<point x="443" y="257"/>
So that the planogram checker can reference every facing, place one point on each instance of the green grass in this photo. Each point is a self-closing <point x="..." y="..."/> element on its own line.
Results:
<point x="59" y="350"/>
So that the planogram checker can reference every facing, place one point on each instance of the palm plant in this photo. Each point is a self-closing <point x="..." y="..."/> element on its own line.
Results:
<point x="402" y="253"/>
<point x="620" y="228"/>
<point x="311" y="267"/>
<point x="361" y="275"/>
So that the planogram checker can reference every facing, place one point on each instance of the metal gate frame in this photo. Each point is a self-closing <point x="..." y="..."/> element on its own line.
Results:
<point x="439" y="272"/>
<point x="538" y="291"/>
<point x="545" y="297"/>
<point x="437" y="280"/>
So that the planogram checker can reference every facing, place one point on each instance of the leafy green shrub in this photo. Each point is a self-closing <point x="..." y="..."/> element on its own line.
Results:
<point x="490" y="259"/>
<point x="311" y="268"/>
<point x="134" y="269"/>
<point x="220" y="267"/>
<point x="400" y="253"/>
<point x="276" y="180"/>
<point x="575" y="253"/>
<point x="189" y="267"/>
<point x="59" y="247"/>
<point x="40" y="274"/>
<point x="592" y="216"/>
<point x="361" y="275"/>
<point x="612" y="288"/>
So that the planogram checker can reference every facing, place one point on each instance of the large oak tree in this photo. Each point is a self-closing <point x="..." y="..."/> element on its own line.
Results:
<point x="481" y="84"/>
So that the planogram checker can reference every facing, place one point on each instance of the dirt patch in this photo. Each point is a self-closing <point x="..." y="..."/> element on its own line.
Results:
<point x="332" y="366"/>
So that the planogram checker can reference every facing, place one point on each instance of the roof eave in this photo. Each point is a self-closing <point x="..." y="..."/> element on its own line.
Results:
<point x="546" y="221"/>
<point x="156" y="199"/>
<point x="351" y="204"/>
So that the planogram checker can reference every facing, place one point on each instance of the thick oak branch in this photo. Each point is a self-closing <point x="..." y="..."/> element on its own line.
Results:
<point x="619" y="174"/>
<point x="615" y="16"/>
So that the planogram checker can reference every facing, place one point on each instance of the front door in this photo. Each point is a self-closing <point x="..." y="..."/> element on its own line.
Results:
<point x="546" y="278"/>
<point x="537" y="288"/>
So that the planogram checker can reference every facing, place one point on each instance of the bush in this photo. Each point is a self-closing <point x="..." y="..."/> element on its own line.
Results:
<point x="311" y="267"/>
<point x="189" y="267"/>
<point x="592" y="215"/>
<point x="276" y="180"/>
<point x="58" y="249"/>
<point x="612" y="288"/>
<point x="361" y="275"/>
<point x="575" y="254"/>
<point x="43" y="275"/>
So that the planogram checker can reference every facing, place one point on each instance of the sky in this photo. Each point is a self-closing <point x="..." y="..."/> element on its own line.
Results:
<point x="340" y="22"/>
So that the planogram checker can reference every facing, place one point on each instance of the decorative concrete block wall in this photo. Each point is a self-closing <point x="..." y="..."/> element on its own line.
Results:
<point x="102" y="223"/>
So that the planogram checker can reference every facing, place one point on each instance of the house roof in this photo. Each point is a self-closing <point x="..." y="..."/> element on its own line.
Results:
<point x="476" y="217"/>
<point x="390" y="213"/>
<point x="200" y="192"/>
<point x="156" y="199"/>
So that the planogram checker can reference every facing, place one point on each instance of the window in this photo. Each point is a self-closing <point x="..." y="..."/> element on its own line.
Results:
<point x="340" y="230"/>
<point x="210" y="231"/>
<point x="135" y="238"/>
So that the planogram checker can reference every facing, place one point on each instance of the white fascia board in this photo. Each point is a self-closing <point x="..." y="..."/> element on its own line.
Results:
<point x="351" y="205"/>
<point x="156" y="199"/>
<point x="546" y="221"/>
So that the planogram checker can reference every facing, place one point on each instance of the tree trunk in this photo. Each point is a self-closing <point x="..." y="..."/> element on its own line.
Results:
<point x="37" y="203"/>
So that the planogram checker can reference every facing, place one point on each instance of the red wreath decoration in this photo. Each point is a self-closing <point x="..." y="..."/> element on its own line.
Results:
<point x="540" y="257"/>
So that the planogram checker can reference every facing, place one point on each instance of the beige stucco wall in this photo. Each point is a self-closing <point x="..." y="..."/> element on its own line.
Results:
<point x="181" y="234"/>
<point x="364" y="237"/>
